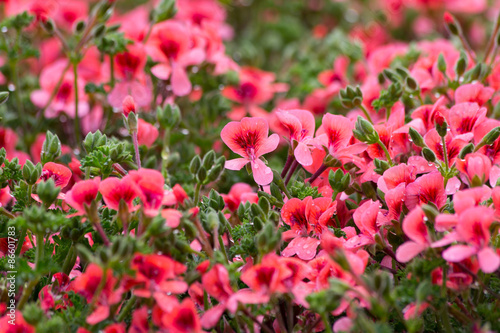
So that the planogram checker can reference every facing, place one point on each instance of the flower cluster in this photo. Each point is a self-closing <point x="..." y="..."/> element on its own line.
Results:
<point x="303" y="166"/>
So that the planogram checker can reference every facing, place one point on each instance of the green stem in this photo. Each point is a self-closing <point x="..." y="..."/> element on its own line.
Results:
<point x="128" y="307"/>
<point x="197" y="194"/>
<point x="69" y="262"/>
<point x="387" y="155"/>
<point x="5" y="212"/>
<point x="367" y="115"/>
<point x="32" y="284"/>
<point x="223" y="248"/>
<point x="77" y="119"/>
<point x="136" y="148"/>
<point x="20" y="240"/>
<point x="445" y="154"/>
<point x="326" y="322"/>
<point x="112" y="71"/>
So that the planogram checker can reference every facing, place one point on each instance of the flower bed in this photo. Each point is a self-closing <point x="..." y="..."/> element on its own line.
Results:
<point x="238" y="166"/>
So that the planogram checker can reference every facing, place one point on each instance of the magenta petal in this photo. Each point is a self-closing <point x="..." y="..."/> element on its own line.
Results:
<point x="99" y="314"/>
<point x="161" y="71"/>
<point x="489" y="260"/>
<point x="236" y="164"/>
<point x="304" y="247"/>
<point x="212" y="316"/>
<point x="262" y="174"/>
<point x="409" y="250"/>
<point x="303" y="154"/>
<point x="181" y="86"/>
<point x="458" y="253"/>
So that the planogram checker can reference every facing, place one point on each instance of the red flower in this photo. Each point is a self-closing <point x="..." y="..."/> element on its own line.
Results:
<point x="21" y="326"/>
<point x="177" y="196"/>
<point x="114" y="190"/>
<point x="474" y="93"/>
<point x="301" y="126"/>
<point x="216" y="283"/>
<point x="157" y="277"/>
<point x="87" y="285"/>
<point x="58" y="172"/>
<point x="335" y="133"/>
<point x="183" y="319"/>
<point x="239" y="193"/>
<point x="150" y="183"/>
<point x="249" y="139"/>
<point x="428" y="188"/>
<point x="81" y="194"/>
<point x="115" y="328"/>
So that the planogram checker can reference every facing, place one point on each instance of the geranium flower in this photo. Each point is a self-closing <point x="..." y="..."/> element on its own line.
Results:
<point x="476" y="167"/>
<point x="81" y="194"/>
<point x="114" y="190"/>
<point x="474" y="93"/>
<point x="87" y="285"/>
<point x="473" y="229"/>
<point x="157" y="277"/>
<point x="249" y="139"/>
<point x="414" y="227"/>
<point x="238" y="194"/>
<point x="171" y="45"/>
<point x="426" y="189"/>
<point x="301" y="126"/>
<point x="58" y="172"/>
<point x="130" y="70"/>
<point x="151" y="189"/>
<point x="146" y="133"/>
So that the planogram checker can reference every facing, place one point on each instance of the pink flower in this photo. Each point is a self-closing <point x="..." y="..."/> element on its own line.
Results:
<point x="150" y="184"/>
<point x="114" y="190"/>
<point x="427" y="189"/>
<point x="249" y="139"/>
<point x="476" y="167"/>
<point x="473" y="228"/>
<point x="130" y="69"/>
<point x="301" y="126"/>
<point x="239" y="193"/>
<point x="414" y="227"/>
<point x="64" y="98"/>
<point x="474" y="93"/>
<point x="171" y="45"/>
<point x="146" y="133"/>
<point x="81" y="194"/>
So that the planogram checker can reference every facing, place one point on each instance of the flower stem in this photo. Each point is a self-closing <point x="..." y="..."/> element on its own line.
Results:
<point x="294" y="166"/>
<point x="197" y="194"/>
<point x="128" y="307"/>
<point x="387" y="155"/>
<point x="318" y="173"/>
<point x="288" y="163"/>
<point x="77" y="119"/>
<point x="136" y="148"/>
<point x="367" y="115"/>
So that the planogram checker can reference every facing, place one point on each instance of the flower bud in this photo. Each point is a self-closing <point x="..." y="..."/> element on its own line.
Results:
<point x="429" y="155"/>
<point x="31" y="173"/>
<point x="411" y="83"/>
<point x="365" y="132"/>
<point x="4" y="96"/>
<point x="441" y="63"/>
<point x="441" y="125"/>
<point x="451" y="23"/>
<point x="48" y="25"/>
<point x="51" y="148"/>
<point x="94" y="140"/>
<point x="195" y="164"/>
<point x="47" y="191"/>
<point x="467" y="149"/>
<point x="489" y="138"/>
<point x="169" y="116"/>
<point x="165" y="10"/>
<point x="416" y="138"/>
<point x="79" y="27"/>
<point x="461" y="64"/>
<point x="331" y="161"/>
<point x="128" y="105"/>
